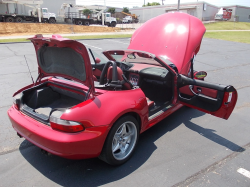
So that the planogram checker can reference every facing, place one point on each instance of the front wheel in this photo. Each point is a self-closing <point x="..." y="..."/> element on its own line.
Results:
<point x="52" y="20"/>
<point x="113" y="24"/>
<point x="121" y="141"/>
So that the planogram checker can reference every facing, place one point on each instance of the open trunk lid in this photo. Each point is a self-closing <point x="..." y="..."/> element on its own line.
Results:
<point x="63" y="57"/>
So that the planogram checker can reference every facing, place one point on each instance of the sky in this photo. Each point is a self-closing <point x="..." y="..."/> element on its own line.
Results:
<point x="139" y="3"/>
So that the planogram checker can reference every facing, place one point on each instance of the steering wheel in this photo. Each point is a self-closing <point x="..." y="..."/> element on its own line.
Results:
<point x="105" y="70"/>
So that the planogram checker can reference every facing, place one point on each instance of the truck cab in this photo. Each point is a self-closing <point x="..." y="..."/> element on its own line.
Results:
<point x="47" y="16"/>
<point x="127" y="19"/>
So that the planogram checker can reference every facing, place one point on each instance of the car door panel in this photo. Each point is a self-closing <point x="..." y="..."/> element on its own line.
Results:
<point x="220" y="105"/>
<point x="197" y="89"/>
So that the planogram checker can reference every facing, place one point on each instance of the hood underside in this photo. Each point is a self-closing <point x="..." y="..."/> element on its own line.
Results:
<point x="174" y="36"/>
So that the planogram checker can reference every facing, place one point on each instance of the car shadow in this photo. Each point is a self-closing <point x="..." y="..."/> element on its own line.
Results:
<point x="94" y="172"/>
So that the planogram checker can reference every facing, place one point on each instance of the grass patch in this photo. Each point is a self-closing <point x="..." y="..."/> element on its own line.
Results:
<point x="240" y="36"/>
<point x="227" y="25"/>
<point x="73" y="37"/>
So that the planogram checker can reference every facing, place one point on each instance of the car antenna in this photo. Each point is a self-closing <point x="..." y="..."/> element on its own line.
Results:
<point x="28" y="69"/>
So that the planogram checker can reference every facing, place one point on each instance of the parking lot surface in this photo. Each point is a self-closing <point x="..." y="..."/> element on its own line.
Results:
<point x="189" y="148"/>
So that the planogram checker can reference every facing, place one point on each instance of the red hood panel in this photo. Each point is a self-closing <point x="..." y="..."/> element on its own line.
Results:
<point x="63" y="57"/>
<point x="175" y="36"/>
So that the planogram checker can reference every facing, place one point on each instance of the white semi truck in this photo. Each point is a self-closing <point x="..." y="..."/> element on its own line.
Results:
<point x="36" y="15"/>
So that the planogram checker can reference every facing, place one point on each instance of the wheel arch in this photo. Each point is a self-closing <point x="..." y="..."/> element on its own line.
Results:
<point x="135" y="115"/>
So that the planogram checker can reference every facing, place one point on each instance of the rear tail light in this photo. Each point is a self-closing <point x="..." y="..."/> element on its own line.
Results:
<point x="65" y="125"/>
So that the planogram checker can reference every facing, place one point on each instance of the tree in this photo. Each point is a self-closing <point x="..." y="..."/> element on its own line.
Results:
<point x="126" y="9"/>
<point x="151" y="4"/>
<point x="87" y="12"/>
<point x="111" y="10"/>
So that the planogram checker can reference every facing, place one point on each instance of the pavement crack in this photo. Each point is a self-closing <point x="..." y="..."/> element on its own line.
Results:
<point x="206" y="64"/>
<point x="228" y="67"/>
<point x="5" y="106"/>
<point x="15" y="149"/>
<point x="242" y="87"/>
<point x="243" y="106"/>
<point x="212" y="167"/>
<point x="11" y="50"/>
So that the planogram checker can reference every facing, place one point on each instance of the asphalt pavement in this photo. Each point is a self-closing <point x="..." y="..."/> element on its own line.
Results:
<point x="189" y="148"/>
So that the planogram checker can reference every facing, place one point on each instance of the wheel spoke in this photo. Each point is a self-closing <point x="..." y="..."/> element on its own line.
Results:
<point x="122" y="130"/>
<point x="128" y="135"/>
<point x="116" y="147"/>
<point x="124" y="140"/>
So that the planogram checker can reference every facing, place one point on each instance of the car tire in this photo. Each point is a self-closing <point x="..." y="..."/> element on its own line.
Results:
<point x="121" y="141"/>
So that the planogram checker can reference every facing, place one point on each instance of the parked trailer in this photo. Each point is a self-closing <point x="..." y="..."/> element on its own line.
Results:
<point x="81" y="19"/>
<point x="46" y="17"/>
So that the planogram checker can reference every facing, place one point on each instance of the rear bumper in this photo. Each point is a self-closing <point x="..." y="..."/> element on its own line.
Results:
<point x="82" y="145"/>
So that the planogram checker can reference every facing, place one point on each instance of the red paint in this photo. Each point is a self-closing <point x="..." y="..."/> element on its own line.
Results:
<point x="173" y="35"/>
<point x="97" y="72"/>
<point x="104" y="107"/>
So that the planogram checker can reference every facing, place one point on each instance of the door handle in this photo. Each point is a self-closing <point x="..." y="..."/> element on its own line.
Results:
<point x="199" y="90"/>
<point x="191" y="89"/>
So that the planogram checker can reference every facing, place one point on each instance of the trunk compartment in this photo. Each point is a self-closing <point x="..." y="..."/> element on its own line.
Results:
<point x="41" y="101"/>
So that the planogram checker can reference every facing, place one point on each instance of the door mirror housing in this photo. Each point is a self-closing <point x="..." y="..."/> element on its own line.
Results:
<point x="97" y="60"/>
<point x="200" y="75"/>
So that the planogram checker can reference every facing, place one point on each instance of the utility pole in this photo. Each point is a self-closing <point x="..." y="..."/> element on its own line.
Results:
<point x="162" y="2"/>
<point x="178" y="7"/>
<point x="144" y="2"/>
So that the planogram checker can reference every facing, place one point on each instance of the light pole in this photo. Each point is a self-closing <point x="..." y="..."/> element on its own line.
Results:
<point x="178" y="7"/>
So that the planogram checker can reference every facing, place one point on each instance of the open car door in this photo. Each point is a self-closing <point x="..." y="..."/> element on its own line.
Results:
<point x="216" y="99"/>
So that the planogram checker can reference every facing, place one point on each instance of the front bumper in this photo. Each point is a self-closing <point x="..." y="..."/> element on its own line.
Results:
<point x="82" y="145"/>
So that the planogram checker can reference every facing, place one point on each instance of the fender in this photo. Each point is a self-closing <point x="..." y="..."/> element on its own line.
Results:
<point x="106" y="108"/>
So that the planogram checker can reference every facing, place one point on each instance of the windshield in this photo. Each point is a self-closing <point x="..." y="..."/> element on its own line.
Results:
<point x="133" y="57"/>
<point x="99" y="55"/>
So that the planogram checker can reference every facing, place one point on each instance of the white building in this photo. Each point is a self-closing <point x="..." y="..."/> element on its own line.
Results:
<point x="202" y="10"/>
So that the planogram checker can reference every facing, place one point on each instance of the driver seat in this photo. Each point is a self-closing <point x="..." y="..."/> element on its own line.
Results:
<point x="126" y="85"/>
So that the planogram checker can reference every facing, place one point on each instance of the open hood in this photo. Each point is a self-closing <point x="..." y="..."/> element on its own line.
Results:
<point x="174" y="36"/>
<point x="63" y="57"/>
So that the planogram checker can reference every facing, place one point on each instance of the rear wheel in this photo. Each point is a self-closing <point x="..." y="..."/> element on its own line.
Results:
<point x="52" y="20"/>
<point x="86" y="23"/>
<point x="19" y="20"/>
<point x="9" y="19"/>
<point x="121" y="141"/>
<point x="79" y="22"/>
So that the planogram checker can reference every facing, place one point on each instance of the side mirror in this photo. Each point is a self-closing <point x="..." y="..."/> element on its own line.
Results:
<point x="97" y="60"/>
<point x="200" y="75"/>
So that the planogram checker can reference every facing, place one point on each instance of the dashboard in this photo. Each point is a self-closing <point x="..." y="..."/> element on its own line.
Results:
<point x="136" y="71"/>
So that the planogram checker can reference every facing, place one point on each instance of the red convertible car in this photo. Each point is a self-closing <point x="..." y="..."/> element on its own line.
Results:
<point x="80" y="110"/>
